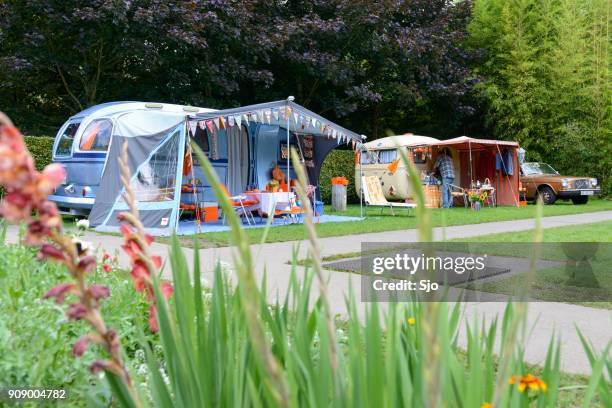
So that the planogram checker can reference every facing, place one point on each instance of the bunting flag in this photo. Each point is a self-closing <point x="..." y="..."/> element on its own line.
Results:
<point x="275" y="114"/>
<point x="246" y="118"/>
<point x="238" y="119"/>
<point x="221" y="122"/>
<point x="192" y="127"/>
<point x="217" y="123"/>
<point x="211" y="126"/>
<point x="333" y="133"/>
<point x="353" y="144"/>
<point x="295" y="117"/>
<point x="313" y="123"/>
<point x="255" y="117"/>
<point x="393" y="166"/>
<point x="269" y="117"/>
<point x="230" y="121"/>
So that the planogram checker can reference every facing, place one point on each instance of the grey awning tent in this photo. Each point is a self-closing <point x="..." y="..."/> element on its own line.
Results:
<point x="155" y="140"/>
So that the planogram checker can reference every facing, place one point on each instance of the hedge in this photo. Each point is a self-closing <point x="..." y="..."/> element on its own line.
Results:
<point x="338" y="163"/>
<point x="40" y="147"/>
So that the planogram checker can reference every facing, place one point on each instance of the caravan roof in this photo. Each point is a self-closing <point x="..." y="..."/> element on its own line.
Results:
<point x="405" y="140"/>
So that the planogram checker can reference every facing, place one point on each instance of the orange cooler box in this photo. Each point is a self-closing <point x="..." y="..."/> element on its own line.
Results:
<point x="209" y="211"/>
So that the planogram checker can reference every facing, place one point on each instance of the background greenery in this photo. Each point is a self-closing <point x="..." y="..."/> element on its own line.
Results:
<point x="536" y="71"/>
<point x="40" y="147"/>
<point x="338" y="163"/>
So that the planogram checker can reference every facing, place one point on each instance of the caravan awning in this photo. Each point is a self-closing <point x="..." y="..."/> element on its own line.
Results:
<point x="286" y="114"/>
<point x="467" y="143"/>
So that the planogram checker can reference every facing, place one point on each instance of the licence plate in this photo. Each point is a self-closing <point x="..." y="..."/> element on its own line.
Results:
<point x="586" y="193"/>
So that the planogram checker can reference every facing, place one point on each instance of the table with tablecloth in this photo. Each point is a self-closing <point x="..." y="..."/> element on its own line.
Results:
<point x="269" y="202"/>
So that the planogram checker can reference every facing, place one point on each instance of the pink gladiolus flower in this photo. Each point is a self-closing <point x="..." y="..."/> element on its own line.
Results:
<point x="167" y="290"/>
<point x="81" y="344"/>
<point x="98" y="291"/>
<point x="59" y="292"/>
<point x="50" y="251"/>
<point x="76" y="311"/>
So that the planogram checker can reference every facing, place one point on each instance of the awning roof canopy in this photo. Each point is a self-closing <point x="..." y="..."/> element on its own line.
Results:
<point x="467" y="143"/>
<point x="300" y="119"/>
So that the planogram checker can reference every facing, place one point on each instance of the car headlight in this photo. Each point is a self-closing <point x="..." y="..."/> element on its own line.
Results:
<point x="594" y="182"/>
<point x="565" y="183"/>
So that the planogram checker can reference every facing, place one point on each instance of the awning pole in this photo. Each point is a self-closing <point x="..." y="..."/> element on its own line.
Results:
<point x="360" y="181"/>
<point x="288" y="112"/>
<point x="471" y="165"/>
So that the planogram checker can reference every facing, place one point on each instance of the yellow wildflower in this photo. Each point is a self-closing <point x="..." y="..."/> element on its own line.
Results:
<point x="528" y="381"/>
<point x="411" y="321"/>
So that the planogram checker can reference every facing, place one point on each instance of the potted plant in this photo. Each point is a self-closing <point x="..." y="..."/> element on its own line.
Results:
<point x="273" y="186"/>
<point x="477" y="198"/>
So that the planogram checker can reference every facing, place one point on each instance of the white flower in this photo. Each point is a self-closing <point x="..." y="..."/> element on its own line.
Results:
<point x="82" y="224"/>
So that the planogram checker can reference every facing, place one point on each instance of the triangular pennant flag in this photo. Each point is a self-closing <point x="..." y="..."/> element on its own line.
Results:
<point x="217" y="123"/>
<point x="275" y="114"/>
<point x="255" y="117"/>
<point x="313" y="122"/>
<point x="353" y="144"/>
<point x="295" y="117"/>
<point x="230" y="121"/>
<point x="192" y="127"/>
<point x="246" y="118"/>
<point x="333" y="133"/>
<point x="238" y="119"/>
<point x="210" y="125"/>
<point x="221" y="122"/>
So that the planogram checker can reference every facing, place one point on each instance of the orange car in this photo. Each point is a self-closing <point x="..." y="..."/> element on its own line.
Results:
<point x="540" y="179"/>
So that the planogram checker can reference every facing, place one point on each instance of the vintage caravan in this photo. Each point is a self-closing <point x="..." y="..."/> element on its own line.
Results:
<point x="81" y="145"/>
<point x="246" y="146"/>
<point x="382" y="158"/>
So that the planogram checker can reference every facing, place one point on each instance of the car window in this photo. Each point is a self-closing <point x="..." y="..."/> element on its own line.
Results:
<point x="97" y="136"/>
<point x="530" y="169"/>
<point x="64" y="145"/>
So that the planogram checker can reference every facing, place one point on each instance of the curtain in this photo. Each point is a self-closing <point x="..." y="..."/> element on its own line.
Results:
<point x="238" y="159"/>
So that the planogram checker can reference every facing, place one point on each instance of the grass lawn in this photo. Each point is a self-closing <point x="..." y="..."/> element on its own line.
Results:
<point x="550" y="283"/>
<point x="375" y="222"/>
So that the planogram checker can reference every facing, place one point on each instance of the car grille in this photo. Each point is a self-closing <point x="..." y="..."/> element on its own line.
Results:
<point x="582" y="183"/>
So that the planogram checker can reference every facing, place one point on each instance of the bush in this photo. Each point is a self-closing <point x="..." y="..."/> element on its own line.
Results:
<point x="338" y="163"/>
<point x="36" y="339"/>
<point x="40" y="147"/>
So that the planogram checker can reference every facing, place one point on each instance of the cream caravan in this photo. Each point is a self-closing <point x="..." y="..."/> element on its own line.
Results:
<point x="383" y="158"/>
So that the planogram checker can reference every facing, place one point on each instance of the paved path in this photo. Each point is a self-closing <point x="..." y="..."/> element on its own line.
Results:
<point x="545" y="318"/>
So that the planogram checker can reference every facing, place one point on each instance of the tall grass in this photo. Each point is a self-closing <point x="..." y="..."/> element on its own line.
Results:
<point x="232" y="348"/>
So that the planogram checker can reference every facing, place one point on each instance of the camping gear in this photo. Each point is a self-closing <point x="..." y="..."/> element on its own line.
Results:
<point x="270" y="202"/>
<point x="374" y="197"/>
<point x="433" y="196"/>
<point x="240" y="157"/>
<point x="338" y="202"/>
<point x="242" y="204"/>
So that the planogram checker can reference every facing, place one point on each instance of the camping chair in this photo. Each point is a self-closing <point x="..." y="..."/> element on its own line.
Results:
<point x="457" y="191"/>
<point x="242" y="205"/>
<point x="374" y="197"/>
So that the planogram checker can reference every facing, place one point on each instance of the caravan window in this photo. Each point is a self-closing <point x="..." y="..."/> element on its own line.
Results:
<point x="387" y="156"/>
<point x="369" y="157"/>
<point x="64" y="145"/>
<point x="96" y="136"/>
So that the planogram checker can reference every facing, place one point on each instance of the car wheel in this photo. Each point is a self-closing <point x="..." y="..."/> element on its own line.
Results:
<point x="580" y="200"/>
<point x="547" y="194"/>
